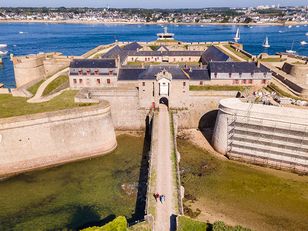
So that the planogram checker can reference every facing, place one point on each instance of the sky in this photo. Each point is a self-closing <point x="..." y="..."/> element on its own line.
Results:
<point x="148" y="3"/>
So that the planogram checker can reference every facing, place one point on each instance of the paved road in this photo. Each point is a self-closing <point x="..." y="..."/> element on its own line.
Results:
<point x="163" y="169"/>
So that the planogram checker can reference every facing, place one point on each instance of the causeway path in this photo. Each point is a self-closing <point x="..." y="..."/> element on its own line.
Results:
<point x="165" y="184"/>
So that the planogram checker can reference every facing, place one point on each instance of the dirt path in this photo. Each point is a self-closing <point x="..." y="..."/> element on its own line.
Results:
<point x="163" y="168"/>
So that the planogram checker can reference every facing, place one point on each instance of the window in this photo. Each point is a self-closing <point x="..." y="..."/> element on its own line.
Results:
<point x="108" y="81"/>
<point x="240" y="74"/>
<point x="80" y="81"/>
<point x="244" y="81"/>
<point x="201" y="82"/>
<point x="98" y="81"/>
<point x="111" y="72"/>
<point x="250" y="81"/>
<point x="96" y="72"/>
<point x="189" y="59"/>
<point x="230" y="75"/>
<point x="80" y="72"/>
<point x="235" y="81"/>
<point x="263" y="81"/>
<point x="184" y="84"/>
<point x="264" y="75"/>
<point x="88" y="72"/>
<point x="74" y="81"/>
<point x="143" y="84"/>
<point x="215" y="75"/>
<point x="251" y="74"/>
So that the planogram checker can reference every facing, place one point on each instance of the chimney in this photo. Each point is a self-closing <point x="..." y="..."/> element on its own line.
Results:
<point x="258" y="64"/>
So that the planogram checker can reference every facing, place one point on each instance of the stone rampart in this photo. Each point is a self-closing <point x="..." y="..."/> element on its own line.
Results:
<point x="46" y="139"/>
<point x="261" y="134"/>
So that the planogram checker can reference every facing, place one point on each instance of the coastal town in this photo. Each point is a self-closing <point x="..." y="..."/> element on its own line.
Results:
<point x="264" y="14"/>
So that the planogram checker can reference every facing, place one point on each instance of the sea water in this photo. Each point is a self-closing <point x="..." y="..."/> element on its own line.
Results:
<point x="76" y="39"/>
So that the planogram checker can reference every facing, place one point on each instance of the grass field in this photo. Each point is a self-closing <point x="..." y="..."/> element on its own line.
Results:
<point x="217" y="88"/>
<point x="33" y="88"/>
<point x="256" y="198"/>
<point x="76" y="195"/>
<point x="16" y="106"/>
<point x="237" y="53"/>
<point x="272" y="60"/>
<point x="56" y="84"/>
<point x="273" y="87"/>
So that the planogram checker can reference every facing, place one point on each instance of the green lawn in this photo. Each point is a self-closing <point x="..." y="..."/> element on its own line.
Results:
<point x="187" y="224"/>
<point x="56" y="84"/>
<point x="272" y="60"/>
<point x="33" y="88"/>
<point x="260" y="199"/>
<point x="16" y="106"/>
<point x="273" y="87"/>
<point x="217" y="88"/>
<point x="240" y="54"/>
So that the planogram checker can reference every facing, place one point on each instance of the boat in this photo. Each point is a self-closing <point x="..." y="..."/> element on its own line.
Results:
<point x="2" y="53"/>
<point x="3" y="45"/>
<point x="266" y="43"/>
<point x="303" y="43"/>
<point x="291" y="51"/>
<point x="307" y="34"/>
<point x="237" y="35"/>
<point x="290" y="26"/>
<point x="297" y="26"/>
<point x="280" y="31"/>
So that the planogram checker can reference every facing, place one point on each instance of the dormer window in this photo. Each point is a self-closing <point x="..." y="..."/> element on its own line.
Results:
<point x="88" y="72"/>
<point x="96" y="72"/>
<point x="80" y="72"/>
<point x="110" y="72"/>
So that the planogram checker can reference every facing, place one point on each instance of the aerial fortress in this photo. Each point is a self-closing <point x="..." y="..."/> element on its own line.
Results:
<point x="128" y="80"/>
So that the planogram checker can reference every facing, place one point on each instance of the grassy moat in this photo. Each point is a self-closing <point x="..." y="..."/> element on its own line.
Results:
<point x="256" y="198"/>
<point x="74" y="195"/>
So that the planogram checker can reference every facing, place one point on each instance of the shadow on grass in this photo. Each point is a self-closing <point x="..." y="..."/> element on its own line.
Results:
<point x="143" y="174"/>
<point x="87" y="216"/>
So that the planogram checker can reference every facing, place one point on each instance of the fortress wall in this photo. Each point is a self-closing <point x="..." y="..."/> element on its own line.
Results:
<point x="40" y="140"/>
<point x="265" y="135"/>
<point x="200" y="108"/>
<point x="27" y="69"/>
<point x="125" y="110"/>
<point x="52" y="66"/>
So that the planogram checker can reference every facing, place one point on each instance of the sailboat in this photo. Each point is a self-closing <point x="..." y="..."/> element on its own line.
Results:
<point x="237" y="35"/>
<point x="2" y="53"/>
<point x="3" y="45"/>
<point x="266" y="43"/>
<point x="291" y="51"/>
<point x="303" y="43"/>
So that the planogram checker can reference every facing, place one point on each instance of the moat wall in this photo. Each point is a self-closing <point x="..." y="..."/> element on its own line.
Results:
<point x="41" y="140"/>
<point x="261" y="134"/>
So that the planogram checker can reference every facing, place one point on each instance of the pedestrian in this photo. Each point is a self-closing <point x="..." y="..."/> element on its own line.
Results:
<point x="161" y="198"/>
<point x="154" y="195"/>
<point x="164" y="198"/>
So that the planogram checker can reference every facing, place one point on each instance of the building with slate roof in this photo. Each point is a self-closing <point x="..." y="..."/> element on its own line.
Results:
<point x="213" y="54"/>
<point x="160" y="77"/>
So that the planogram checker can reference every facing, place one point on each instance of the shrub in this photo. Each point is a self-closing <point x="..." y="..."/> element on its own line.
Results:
<point x="118" y="224"/>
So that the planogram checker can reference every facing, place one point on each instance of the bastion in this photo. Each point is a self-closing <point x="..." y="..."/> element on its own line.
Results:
<point x="261" y="134"/>
<point x="46" y="139"/>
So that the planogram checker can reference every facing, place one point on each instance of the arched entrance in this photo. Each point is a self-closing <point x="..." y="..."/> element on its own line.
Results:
<point x="164" y="100"/>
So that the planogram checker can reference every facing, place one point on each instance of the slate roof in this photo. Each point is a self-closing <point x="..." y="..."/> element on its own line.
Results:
<point x="165" y="53"/>
<point x="126" y="74"/>
<point x="93" y="63"/>
<point x="236" y="67"/>
<point x="132" y="47"/>
<point x="213" y="54"/>
<point x="174" y="70"/>
<point x="198" y="74"/>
